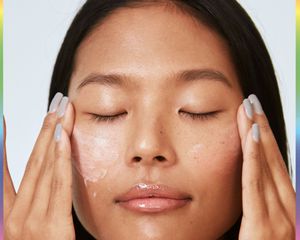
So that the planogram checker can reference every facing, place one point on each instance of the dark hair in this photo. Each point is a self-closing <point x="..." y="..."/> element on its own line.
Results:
<point x="248" y="51"/>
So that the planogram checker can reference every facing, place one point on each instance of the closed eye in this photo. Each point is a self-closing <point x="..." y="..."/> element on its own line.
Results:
<point x="107" y="118"/>
<point x="200" y="116"/>
<point x="194" y="116"/>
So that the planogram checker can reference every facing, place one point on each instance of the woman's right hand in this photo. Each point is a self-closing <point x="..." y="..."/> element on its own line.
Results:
<point x="42" y="208"/>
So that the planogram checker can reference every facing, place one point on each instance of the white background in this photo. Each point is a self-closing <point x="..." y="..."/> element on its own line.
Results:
<point x="34" y="30"/>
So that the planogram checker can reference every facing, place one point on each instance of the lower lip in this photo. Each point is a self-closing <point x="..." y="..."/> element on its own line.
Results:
<point x="154" y="205"/>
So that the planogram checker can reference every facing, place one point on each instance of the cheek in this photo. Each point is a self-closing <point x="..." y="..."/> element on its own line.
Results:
<point x="94" y="153"/>
<point x="218" y="152"/>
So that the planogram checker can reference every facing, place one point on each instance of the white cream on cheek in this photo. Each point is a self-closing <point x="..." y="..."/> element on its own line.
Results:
<point x="93" y="154"/>
<point x="216" y="149"/>
<point x="196" y="151"/>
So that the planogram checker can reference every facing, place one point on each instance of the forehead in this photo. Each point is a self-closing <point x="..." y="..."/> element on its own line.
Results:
<point x="150" y="42"/>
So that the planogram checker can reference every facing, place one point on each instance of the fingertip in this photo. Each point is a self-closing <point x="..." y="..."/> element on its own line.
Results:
<point x="58" y="132"/>
<point x="248" y="108"/>
<point x="251" y="149"/>
<point x="62" y="140"/>
<point x="68" y="119"/>
<point x="255" y="132"/>
<point x="244" y="123"/>
<point x="240" y="114"/>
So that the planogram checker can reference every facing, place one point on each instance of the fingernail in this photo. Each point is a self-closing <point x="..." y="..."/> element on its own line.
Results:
<point x="248" y="108"/>
<point x="62" y="107"/>
<point x="57" y="132"/>
<point x="255" y="132"/>
<point x="256" y="104"/>
<point x="55" y="102"/>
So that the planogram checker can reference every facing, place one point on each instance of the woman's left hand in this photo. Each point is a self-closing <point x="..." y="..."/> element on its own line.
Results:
<point x="268" y="197"/>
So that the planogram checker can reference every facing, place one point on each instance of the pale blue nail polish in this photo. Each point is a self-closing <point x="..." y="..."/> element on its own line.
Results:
<point x="62" y="107"/>
<point x="256" y="104"/>
<point x="255" y="132"/>
<point x="248" y="108"/>
<point x="57" y="132"/>
<point x="55" y="102"/>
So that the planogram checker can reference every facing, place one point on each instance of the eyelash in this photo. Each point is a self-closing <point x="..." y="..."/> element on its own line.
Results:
<point x="107" y="118"/>
<point x="193" y="116"/>
<point x="200" y="116"/>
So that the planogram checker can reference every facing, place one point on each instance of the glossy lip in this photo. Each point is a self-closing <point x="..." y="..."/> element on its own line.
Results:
<point x="152" y="198"/>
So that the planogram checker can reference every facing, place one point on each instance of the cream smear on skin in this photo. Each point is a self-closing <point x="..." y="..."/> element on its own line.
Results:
<point x="196" y="151"/>
<point x="227" y="142"/>
<point x="93" y="155"/>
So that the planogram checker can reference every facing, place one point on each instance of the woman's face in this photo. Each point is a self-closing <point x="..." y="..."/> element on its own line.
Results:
<point x="153" y="68"/>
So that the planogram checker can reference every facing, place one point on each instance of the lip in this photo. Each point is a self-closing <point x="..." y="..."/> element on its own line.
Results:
<point x="152" y="198"/>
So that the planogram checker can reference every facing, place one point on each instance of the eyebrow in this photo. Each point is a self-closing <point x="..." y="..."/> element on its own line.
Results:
<point x="122" y="80"/>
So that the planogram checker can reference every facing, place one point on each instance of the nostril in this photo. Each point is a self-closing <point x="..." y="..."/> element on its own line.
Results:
<point x="160" y="158"/>
<point x="137" y="159"/>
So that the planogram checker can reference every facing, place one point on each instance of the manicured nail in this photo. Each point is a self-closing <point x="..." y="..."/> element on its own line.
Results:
<point x="256" y="104"/>
<point x="248" y="108"/>
<point x="62" y="107"/>
<point x="57" y="132"/>
<point x="255" y="132"/>
<point x="55" y="102"/>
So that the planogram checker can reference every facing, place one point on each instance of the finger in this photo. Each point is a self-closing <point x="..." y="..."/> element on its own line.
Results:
<point x="274" y="159"/>
<point x="61" y="191"/>
<point x="244" y="119"/>
<point x="9" y="190"/>
<point x="253" y="198"/>
<point x="68" y="120"/>
<point x="267" y="137"/>
<point x="28" y="184"/>
<point x="276" y="208"/>
<point x="43" y="189"/>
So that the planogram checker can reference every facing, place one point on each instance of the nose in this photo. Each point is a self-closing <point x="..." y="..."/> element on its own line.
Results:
<point x="150" y="145"/>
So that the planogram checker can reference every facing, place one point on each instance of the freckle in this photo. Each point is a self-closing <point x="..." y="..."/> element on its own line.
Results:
<point x="160" y="132"/>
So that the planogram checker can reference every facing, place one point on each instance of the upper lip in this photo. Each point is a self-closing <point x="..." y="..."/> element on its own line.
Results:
<point x="143" y="190"/>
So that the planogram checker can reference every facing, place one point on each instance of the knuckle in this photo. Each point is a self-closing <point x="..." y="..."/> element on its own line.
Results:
<point x="49" y="122"/>
<point x="50" y="229"/>
<point x="33" y="163"/>
<point x="12" y="230"/>
<point x="254" y="184"/>
<point x="265" y="127"/>
<point x="59" y="152"/>
<point x="254" y="155"/>
<point x="266" y="231"/>
<point x="286" y="230"/>
<point x="281" y="166"/>
<point x="65" y="225"/>
<point x="49" y="164"/>
<point x="58" y="184"/>
<point x="31" y="227"/>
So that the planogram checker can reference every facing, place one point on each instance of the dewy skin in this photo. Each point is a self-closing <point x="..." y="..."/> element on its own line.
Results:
<point x="93" y="155"/>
